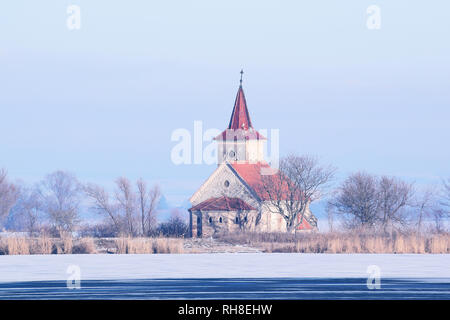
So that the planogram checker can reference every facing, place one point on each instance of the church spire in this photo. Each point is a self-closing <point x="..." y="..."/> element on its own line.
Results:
<point x="240" y="126"/>
<point x="240" y="118"/>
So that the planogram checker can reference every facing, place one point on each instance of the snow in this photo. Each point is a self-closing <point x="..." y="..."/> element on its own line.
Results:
<point x="223" y="265"/>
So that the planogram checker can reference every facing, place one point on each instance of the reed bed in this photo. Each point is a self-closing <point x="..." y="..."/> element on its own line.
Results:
<point x="343" y="242"/>
<point x="15" y="246"/>
<point x="87" y="245"/>
<point x="266" y="242"/>
<point x="127" y="245"/>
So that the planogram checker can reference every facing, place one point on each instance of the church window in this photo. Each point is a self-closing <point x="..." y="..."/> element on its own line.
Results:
<point x="198" y="220"/>
<point x="210" y="220"/>
<point x="220" y="220"/>
<point x="232" y="154"/>
<point x="237" y="219"/>
<point x="245" y="219"/>
<point x="227" y="183"/>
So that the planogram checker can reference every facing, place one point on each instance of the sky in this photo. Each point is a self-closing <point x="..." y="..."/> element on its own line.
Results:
<point x="102" y="101"/>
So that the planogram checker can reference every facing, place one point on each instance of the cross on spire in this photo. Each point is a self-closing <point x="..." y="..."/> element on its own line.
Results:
<point x="242" y="72"/>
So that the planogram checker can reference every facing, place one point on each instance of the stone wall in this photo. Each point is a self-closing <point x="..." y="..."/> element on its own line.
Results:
<point x="212" y="222"/>
<point x="208" y="223"/>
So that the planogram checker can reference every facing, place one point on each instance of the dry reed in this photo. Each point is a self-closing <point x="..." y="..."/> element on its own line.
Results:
<point x="85" y="246"/>
<point x="17" y="246"/>
<point x="343" y="242"/>
<point x="127" y="245"/>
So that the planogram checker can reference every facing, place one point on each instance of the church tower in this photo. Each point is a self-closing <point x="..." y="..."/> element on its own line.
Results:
<point x="233" y="198"/>
<point x="240" y="142"/>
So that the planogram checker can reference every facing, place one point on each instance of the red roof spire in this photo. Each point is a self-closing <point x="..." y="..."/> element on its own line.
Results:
<point x="240" y="119"/>
<point x="240" y="126"/>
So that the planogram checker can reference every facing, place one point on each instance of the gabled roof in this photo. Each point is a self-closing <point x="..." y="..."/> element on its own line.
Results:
<point x="252" y="174"/>
<point x="240" y="126"/>
<point x="222" y="204"/>
<point x="223" y="168"/>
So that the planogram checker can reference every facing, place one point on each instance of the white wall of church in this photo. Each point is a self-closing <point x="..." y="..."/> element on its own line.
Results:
<point x="215" y="187"/>
<point x="231" y="151"/>
<point x="250" y="150"/>
<point x="255" y="150"/>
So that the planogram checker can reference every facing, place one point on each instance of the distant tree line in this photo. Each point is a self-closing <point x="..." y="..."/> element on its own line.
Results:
<point x="54" y="205"/>
<point x="362" y="201"/>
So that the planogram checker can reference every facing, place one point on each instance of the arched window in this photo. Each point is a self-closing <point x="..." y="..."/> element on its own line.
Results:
<point x="199" y="220"/>
<point x="210" y="220"/>
<point x="220" y="219"/>
<point x="245" y="219"/>
<point x="237" y="219"/>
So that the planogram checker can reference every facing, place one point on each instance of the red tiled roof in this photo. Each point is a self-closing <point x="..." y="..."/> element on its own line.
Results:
<point x="222" y="204"/>
<point x="240" y="126"/>
<point x="252" y="173"/>
<point x="305" y="225"/>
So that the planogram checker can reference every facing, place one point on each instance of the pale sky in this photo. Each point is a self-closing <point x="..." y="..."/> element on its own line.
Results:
<point x="103" y="101"/>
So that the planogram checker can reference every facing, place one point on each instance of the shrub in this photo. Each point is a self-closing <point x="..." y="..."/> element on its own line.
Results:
<point x="84" y="246"/>
<point x="175" y="227"/>
<point x="103" y="230"/>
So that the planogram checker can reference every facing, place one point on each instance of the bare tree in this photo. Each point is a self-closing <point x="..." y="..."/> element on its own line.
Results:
<point x="131" y="212"/>
<point x="433" y="204"/>
<point x="446" y="196"/>
<point x="126" y="201"/>
<point x="60" y="195"/>
<point x="441" y="212"/>
<point x="27" y="212"/>
<point x="393" y="196"/>
<point x="102" y="205"/>
<point x="438" y="216"/>
<point x="425" y="203"/>
<point x="357" y="200"/>
<point x="367" y="201"/>
<point x="330" y="216"/>
<point x="8" y="196"/>
<point x="298" y="182"/>
<point x="148" y="202"/>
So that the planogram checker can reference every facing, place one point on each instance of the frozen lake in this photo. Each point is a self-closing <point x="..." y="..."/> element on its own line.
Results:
<point x="226" y="276"/>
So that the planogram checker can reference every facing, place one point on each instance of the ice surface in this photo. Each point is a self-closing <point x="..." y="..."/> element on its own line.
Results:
<point x="223" y="265"/>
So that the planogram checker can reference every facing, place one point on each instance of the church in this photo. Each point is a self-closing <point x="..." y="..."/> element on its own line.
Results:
<point x="231" y="200"/>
